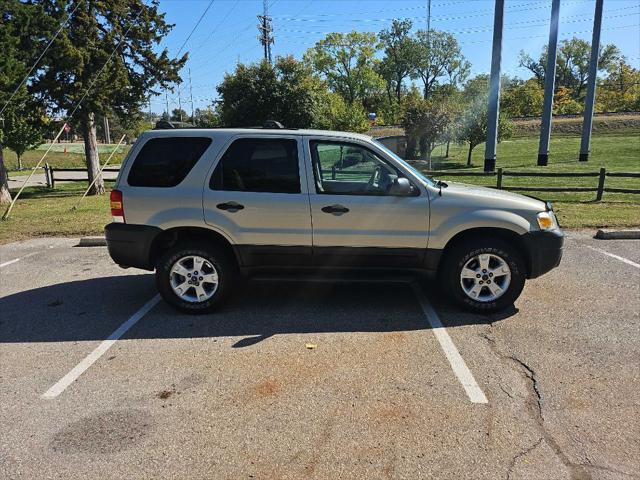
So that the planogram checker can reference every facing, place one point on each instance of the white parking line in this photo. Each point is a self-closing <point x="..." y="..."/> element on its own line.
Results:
<point x="459" y="367"/>
<point x="10" y="262"/>
<point x="90" y="359"/>
<point x="617" y="257"/>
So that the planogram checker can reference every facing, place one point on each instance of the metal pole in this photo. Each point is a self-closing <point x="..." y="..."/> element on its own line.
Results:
<point x="191" y="95"/>
<point x="591" y="87"/>
<point x="494" y="89"/>
<point x="179" y="103"/>
<point x="549" y="85"/>
<point x="107" y="133"/>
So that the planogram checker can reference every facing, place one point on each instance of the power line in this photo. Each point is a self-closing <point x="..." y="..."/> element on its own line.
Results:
<point x="195" y="26"/>
<point x="62" y="25"/>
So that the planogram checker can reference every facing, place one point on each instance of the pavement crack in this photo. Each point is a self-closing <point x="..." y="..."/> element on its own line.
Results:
<point x="521" y="454"/>
<point x="534" y="405"/>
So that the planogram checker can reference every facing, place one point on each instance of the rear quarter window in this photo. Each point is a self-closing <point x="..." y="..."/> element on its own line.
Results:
<point x="166" y="161"/>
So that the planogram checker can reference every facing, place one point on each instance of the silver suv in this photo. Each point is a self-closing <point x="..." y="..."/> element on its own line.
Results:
<point x="202" y="207"/>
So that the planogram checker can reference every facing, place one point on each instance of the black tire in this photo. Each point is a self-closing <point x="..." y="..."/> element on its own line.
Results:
<point x="461" y="253"/>
<point x="225" y="266"/>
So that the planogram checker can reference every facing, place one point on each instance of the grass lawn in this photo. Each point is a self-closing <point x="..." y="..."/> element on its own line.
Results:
<point x="617" y="153"/>
<point x="43" y="212"/>
<point x="57" y="158"/>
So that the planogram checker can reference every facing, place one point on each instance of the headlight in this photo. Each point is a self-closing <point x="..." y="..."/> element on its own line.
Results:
<point x="547" y="220"/>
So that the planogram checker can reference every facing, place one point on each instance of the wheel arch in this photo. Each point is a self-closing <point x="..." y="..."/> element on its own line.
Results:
<point x="173" y="236"/>
<point x="504" y="234"/>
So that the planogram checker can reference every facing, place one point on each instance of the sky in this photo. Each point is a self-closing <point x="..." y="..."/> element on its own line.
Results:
<point x="227" y="33"/>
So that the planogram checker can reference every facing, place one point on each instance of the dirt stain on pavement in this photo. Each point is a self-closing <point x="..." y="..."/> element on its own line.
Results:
<point x="107" y="432"/>
<point x="267" y="388"/>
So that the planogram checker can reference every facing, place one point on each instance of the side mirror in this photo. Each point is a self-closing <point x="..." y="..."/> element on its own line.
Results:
<point x="401" y="187"/>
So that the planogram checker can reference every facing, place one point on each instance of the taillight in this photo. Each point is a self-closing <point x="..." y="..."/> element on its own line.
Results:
<point x="117" y="207"/>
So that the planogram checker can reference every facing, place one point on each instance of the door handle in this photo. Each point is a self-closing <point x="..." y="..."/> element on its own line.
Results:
<point x="335" y="209"/>
<point x="231" y="207"/>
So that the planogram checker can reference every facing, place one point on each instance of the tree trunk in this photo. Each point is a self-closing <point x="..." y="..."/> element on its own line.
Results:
<point x="469" y="156"/>
<point x="446" y="155"/>
<point x="91" y="153"/>
<point x="425" y="150"/>
<point x="19" y="162"/>
<point x="5" y="195"/>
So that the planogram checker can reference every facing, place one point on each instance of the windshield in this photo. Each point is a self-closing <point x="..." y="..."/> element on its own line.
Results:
<point x="405" y="164"/>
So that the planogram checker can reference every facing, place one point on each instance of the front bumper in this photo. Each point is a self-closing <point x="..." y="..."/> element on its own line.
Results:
<point x="544" y="249"/>
<point x="130" y="245"/>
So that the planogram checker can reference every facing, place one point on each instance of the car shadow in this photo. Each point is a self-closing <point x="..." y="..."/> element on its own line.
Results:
<point x="92" y="309"/>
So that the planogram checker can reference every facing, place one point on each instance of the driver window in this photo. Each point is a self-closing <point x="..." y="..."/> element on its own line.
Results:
<point x="349" y="169"/>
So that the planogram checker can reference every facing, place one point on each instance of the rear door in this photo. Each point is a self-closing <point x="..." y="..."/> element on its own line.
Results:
<point x="356" y="221"/>
<point x="257" y="194"/>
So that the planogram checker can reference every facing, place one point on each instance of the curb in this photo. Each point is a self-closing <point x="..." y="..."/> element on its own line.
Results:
<point x="618" y="235"/>
<point x="92" y="242"/>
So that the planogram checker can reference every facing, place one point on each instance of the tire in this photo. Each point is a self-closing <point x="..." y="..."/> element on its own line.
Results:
<point x="468" y="254"/>
<point x="216" y="261"/>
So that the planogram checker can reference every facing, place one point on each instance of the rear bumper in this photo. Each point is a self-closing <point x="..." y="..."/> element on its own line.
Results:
<point x="545" y="250"/>
<point x="130" y="245"/>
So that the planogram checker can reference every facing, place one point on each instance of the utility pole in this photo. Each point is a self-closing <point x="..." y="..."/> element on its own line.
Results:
<point x="191" y="95"/>
<point x="179" y="103"/>
<point x="107" y="133"/>
<point x="166" y="97"/>
<point x="493" y="112"/>
<point x="265" y="28"/>
<point x="549" y="86"/>
<point x="591" y="87"/>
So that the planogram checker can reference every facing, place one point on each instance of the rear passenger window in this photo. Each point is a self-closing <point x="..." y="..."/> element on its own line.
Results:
<point x="166" y="161"/>
<point x="258" y="165"/>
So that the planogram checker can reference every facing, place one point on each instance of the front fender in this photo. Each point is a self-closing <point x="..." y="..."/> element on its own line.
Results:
<point x="450" y="226"/>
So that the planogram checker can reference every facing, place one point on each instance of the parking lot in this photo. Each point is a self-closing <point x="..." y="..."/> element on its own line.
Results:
<point x="100" y="379"/>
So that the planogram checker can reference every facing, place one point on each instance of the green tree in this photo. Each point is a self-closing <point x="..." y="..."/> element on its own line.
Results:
<point x="22" y="30"/>
<point x="620" y="91"/>
<point x="439" y="60"/>
<point x="254" y="93"/>
<point x="400" y="56"/>
<point x="425" y="122"/>
<point x="132" y="31"/>
<point x="334" y="113"/>
<point x="347" y="62"/>
<point x="207" y="118"/>
<point x="522" y="98"/>
<point x="572" y="64"/>
<point x="22" y="132"/>
<point x="179" y="115"/>
<point x="473" y="125"/>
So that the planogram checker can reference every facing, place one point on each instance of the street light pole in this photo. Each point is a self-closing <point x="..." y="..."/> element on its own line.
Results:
<point x="591" y="87"/>
<point x="549" y="86"/>
<point x="494" y="89"/>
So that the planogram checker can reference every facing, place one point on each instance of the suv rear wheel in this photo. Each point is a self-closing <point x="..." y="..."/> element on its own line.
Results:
<point x="195" y="278"/>
<point x="484" y="275"/>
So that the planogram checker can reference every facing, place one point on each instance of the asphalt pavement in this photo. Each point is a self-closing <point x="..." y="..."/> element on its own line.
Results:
<point x="100" y="379"/>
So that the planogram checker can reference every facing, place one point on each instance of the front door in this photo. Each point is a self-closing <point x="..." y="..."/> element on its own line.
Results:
<point x="257" y="195"/>
<point x="356" y="221"/>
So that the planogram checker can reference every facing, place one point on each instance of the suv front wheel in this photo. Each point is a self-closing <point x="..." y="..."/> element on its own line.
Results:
<point x="484" y="275"/>
<point x="195" y="278"/>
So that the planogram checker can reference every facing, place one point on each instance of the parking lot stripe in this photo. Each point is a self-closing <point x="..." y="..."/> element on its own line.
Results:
<point x="459" y="367"/>
<point x="9" y="262"/>
<point x="617" y="257"/>
<point x="90" y="359"/>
